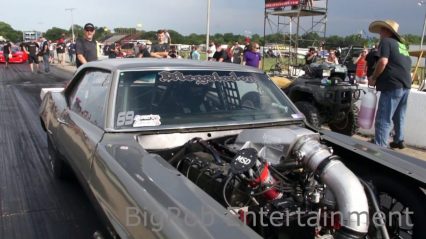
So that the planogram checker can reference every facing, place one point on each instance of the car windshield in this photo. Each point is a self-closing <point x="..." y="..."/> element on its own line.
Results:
<point x="16" y="48"/>
<point x="197" y="99"/>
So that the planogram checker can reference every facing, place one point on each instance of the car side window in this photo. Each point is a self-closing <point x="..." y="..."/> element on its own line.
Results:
<point x="89" y="96"/>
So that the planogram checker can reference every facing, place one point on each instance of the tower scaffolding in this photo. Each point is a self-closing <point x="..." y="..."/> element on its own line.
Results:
<point x="299" y="16"/>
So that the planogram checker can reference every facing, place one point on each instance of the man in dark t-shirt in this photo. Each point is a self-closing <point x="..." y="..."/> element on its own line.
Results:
<point x="7" y="49"/>
<point x="311" y="56"/>
<point x="392" y="78"/>
<point x="143" y="51"/>
<point x="372" y="58"/>
<point x="237" y="53"/>
<point x="86" y="47"/>
<point x="60" y="51"/>
<point x="161" y="49"/>
<point x="32" y="49"/>
<point x="220" y="55"/>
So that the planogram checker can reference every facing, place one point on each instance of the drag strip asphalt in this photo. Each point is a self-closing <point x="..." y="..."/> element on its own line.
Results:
<point x="32" y="203"/>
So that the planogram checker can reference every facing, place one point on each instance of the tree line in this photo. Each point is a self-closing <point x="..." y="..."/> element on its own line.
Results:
<point x="306" y="40"/>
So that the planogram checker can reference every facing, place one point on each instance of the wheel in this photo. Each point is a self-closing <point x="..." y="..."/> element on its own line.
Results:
<point x="395" y="197"/>
<point x="60" y="169"/>
<point x="348" y="125"/>
<point x="310" y="112"/>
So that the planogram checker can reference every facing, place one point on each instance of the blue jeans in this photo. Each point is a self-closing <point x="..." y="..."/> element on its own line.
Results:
<point x="71" y="56"/>
<point x="392" y="108"/>
<point x="46" y="62"/>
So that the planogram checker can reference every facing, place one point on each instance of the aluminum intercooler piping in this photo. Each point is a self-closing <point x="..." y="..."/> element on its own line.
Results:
<point x="347" y="189"/>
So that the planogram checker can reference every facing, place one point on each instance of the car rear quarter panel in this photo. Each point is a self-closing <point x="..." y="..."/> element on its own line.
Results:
<point x="53" y="104"/>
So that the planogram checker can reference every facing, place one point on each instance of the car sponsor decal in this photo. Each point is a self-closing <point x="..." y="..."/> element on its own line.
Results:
<point x="166" y="76"/>
<point x="297" y="116"/>
<point x="125" y="118"/>
<point x="147" y="120"/>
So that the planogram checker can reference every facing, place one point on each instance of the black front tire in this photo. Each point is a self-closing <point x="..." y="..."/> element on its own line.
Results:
<point x="395" y="195"/>
<point x="310" y="112"/>
<point x="60" y="169"/>
<point x="348" y="125"/>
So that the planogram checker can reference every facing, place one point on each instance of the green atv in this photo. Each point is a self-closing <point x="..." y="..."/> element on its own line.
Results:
<point x="326" y="95"/>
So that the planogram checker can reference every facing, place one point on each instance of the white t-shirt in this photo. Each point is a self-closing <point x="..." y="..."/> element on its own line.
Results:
<point x="212" y="50"/>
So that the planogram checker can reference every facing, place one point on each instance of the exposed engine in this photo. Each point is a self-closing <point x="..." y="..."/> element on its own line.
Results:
<point x="282" y="182"/>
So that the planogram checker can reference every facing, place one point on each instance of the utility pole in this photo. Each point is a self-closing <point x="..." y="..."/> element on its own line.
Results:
<point x="208" y="29"/>
<point x="72" y="22"/>
<point x="421" y="3"/>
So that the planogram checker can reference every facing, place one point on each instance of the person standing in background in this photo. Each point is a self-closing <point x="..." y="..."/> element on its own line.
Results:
<point x="86" y="47"/>
<point x="52" y="49"/>
<point x="237" y="53"/>
<point x="45" y="53"/>
<point x="221" y="54"/>
<point x="143" y="51"/>
<point x="31" y="49"/>
<point x="71" y="52"/>
<point x="60" y="51"/>
<point x="252" y="56"/>
<point x="7" y="52"/>
<point x="372" y="58"/>
<point x="211" y="49"/>
<point x="195" y="55"/>
<point x="311" y="56"/>
<point x="162" y="48"/>
<point x="332" y="58"/>
<point x="361" y="68"/>
<point x="393" y="79"/>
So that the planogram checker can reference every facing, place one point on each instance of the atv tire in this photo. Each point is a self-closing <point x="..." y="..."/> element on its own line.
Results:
<point x="310" y="112"/>
<point x="348" y="125"/>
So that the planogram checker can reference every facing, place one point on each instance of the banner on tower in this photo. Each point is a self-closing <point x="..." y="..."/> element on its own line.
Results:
<point x="280" y="3"/>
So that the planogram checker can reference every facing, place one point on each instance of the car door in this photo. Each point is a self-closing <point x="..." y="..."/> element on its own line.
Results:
<point x="82" y="123"/>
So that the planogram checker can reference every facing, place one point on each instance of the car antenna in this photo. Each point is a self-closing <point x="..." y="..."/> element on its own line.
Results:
<point x="347" y="54"/>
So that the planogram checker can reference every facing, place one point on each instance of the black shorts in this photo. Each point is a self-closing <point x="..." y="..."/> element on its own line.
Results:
<point x="32" y="59"/>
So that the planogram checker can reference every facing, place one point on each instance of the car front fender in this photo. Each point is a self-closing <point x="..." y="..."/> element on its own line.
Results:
<point x="404" y="165"/>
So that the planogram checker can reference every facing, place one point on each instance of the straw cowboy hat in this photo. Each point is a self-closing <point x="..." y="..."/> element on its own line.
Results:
<point x="388" y="24"/>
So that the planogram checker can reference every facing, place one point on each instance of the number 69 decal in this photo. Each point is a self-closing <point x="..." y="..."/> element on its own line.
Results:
<point x="125" y="118"/>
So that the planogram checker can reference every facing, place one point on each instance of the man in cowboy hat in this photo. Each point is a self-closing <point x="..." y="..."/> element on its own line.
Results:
<point x="392" y="78"/>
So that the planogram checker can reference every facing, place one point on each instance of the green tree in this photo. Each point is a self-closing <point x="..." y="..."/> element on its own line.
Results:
<point x="229" y="38"/>
<point x="412" y="39"/>
<point x="151" y="35"/>
<point x="310" y="39"/>
<point x="334" y="41"/>
<point x="125" y="30"/>
<point x="257" y="38"/>
<point x="175" y="36"/>
<point x="9" y="33"/>
<point x="55" y="33"/>
<point x="102" y="33"/>
<point x="78" y="31"/>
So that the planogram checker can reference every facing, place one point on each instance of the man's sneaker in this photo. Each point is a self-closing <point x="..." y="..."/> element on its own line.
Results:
<point x="399" y="145"/>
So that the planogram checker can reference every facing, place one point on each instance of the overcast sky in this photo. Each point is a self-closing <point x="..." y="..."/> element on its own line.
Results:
<point x="189" y="16"/>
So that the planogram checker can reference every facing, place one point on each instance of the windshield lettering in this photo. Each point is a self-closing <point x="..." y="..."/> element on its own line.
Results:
<point x="166" y="76"/>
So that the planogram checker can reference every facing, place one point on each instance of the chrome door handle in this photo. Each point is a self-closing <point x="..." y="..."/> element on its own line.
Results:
<point x="62" y="121"/>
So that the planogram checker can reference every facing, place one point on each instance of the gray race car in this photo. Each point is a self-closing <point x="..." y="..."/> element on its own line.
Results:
<point x="188" y="149"/>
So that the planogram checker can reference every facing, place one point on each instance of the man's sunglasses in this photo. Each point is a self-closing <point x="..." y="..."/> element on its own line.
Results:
<point x="89" y="30"/>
